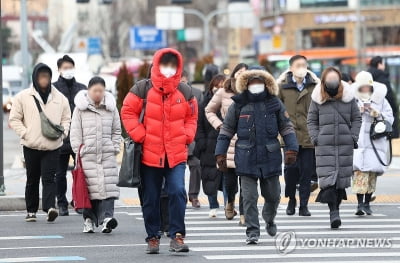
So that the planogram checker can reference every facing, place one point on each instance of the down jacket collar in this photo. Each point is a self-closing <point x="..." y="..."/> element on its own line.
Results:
<point x="83" y="102"/>
<point x="378" y="94"/>
<point x="161" y="83"/>
<point x="286" y="78"/>
<point x="348" y="94"/>
<point x="270" y="83"/>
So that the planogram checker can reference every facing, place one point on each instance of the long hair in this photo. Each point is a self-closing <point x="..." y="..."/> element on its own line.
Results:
<point x="229" y="84"/>
<point x="324" y="94"/>
<point x="215" y="81"/>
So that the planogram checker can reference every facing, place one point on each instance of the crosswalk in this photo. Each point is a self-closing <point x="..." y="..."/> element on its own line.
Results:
<point x="360" y="239"/>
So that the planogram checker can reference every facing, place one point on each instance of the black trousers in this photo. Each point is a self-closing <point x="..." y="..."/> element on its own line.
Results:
<point x="231" y="186"/>
<point x="40" y="164"/>
<point x="301" y="173"/>
<point x="61" y="179"/>
<point x="195" y="177"/>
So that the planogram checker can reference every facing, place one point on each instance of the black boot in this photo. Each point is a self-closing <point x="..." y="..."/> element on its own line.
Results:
<point x="291" y="208"/>
<point x="367" y="209"/>
<point x="303" y="211"/>
<point x="360" y="211"/>
<point x="335" y="219"/>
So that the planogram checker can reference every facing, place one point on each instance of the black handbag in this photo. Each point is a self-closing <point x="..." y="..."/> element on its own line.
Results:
<point x="129" y="174"/>
<point x="380" y="129"/>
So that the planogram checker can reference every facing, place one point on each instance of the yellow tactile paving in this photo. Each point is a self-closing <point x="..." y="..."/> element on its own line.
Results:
<point x="351" y="199"/>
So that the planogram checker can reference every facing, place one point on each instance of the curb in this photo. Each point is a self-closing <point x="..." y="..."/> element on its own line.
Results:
<point x="14" y="203"/>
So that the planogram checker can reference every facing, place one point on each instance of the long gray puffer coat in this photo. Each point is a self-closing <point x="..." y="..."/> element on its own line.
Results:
<point x="99" y="130"/>
<point x="334" y="126"/>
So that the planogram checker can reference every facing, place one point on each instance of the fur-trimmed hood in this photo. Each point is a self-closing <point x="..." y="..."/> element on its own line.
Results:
<point x="348" y="93"/>
<point x="82" y="101"/>
<point x="284" y="77"/>
<point x="269" y="81"/>
<point x="378" y="94"/>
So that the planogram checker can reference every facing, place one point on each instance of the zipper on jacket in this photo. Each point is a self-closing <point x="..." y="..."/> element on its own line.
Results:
<point x="162" y="127"/>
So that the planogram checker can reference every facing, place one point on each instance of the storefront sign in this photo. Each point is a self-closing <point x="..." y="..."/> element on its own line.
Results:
<point x="343" y="18"/>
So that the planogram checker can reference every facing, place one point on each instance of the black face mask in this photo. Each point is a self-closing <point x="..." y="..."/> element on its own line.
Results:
<point x="332" y="88"/>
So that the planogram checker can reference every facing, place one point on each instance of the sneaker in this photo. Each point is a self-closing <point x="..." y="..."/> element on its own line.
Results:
<point x="153" y="246"/>
<point x="2" y="190"/>
<point x="252" y="240"/>
<point x="213" y="213"/>
<point x="177" y="244"/>
<point x="108" y="225"/>
<point x="271" y="229"/>
<point x="88" y="226"/>
<point x="360" y="211"/>
<point x="242" y="221"/>
<point x="291" y="208"/>
<point x="30" y="217"/>
<point x="230" y="211"/>
<point x="63" y="211"/>
<point x="367" y="209"/>
<point x="52" y="214"/>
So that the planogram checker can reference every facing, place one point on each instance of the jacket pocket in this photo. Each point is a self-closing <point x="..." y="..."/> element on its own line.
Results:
<point x="273" y="147"/>
<point x="272" y="124"/>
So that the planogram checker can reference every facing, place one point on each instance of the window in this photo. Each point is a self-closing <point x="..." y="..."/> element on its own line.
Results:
<point x="323" y="38"/>
<point x="322" y="3"/>
<point x="381" y="2"/>
<point x="383" y="36"/>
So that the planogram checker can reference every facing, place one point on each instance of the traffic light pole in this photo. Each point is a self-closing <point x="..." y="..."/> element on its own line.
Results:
<point x="206" y="19"/>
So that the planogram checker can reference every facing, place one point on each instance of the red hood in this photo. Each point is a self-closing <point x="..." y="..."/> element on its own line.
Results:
<point x="161" y="83"/>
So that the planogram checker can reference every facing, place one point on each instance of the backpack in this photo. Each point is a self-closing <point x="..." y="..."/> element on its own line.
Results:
<point x="143" y="86"/>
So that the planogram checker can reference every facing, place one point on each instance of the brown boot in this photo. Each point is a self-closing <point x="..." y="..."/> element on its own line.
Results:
<point x="230" y="212"/>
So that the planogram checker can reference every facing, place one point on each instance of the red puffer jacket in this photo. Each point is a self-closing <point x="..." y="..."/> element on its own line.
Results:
<point x="170" y="120"/>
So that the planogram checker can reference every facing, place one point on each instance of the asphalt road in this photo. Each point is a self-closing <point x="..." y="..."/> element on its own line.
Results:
<point x="361" y="239"/>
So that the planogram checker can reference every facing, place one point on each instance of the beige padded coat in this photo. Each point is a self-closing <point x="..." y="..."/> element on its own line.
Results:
<point x="99" y="130"/>
<point x="25" y="118"/>
<point x="220" y="103"/>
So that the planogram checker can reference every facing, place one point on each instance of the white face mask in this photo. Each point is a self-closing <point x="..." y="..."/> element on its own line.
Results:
<point x="365" y="96"/>
<point x="167" y="71"/>
<point x="300" y="73"/>
<point x="256" y="88"/>
<point x="68" y="74"/>
<point x="215" y="89"/>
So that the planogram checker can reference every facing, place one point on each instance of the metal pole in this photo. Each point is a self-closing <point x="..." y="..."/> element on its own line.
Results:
<point x="206" y="24"/>
<point x="24" y="44"/>
<point x="358" y="36"/>
<point x="2" y="128"/>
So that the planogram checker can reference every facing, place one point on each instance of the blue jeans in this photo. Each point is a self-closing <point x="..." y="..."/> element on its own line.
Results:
<point x="152" y="179"/>
<point x="213" y="201"/>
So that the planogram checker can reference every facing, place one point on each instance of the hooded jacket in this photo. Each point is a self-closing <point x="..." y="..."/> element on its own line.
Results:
<point x="334" y="127"/>
<point x="383" y="77"/>
<point x="216" y="111"/>
<point x="170" y="119"/>
<point x="25" y="118"/>
<point x="257" y="119"/>
<point x="69" y="88"/>
<point x="99" y="130"/>
<point x="365" y="159"/>
<point x="297" y="103"/>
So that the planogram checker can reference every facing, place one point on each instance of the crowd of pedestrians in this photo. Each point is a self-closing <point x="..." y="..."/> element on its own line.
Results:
<point x="331" y="132"/>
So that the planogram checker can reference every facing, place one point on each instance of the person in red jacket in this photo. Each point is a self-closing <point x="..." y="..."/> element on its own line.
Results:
<point x="169" y="126"/>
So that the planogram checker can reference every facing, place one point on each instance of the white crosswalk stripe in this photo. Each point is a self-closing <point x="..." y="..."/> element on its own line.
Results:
<point x="360" y="239"/>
